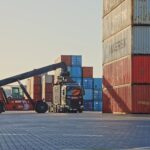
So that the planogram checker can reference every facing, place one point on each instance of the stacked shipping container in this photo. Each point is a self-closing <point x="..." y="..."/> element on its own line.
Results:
<point x="126" y="59"/>
<point x="74" y="64"/>
<point x="97" y="86"/>
<point x="88" y="87"/>
<point x="47" y="87"/>
<point x="83" y="76"/>
<point x="34" y="87"/>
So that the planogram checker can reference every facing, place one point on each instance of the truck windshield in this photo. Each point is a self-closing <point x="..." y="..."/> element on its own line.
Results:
<point x="73" y="91"/>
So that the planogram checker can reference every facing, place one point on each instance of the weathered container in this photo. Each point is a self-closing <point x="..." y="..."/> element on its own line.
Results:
<point x="76" y="60"/>
<point x="78" y="80"/>
<point x="117" y="73"/>
<point x="34" y="87"/>
<point x="88" y="105"/>
<point x="97" y="95"/>
<point x="127" y="99"/>
<point x="76" y="72"/>
<point x="109" y="5"/>
<point x="131" y="69"/>
<point x="47" y="78"/>
<point x="88" y="83"/>
<point x="135" y="12"/>
<point x="117" y="20"/>
<point x="132" y="40"/>
<point x="97" y="83"/>
<point x="87" y="72"/>
<point x="97" y="105"/>
<point x="88" y="94"/>
<point x="67" y="59"/>
<point x="47" y="87"/>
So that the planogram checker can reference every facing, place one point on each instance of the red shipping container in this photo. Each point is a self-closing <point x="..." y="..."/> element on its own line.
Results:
<point x="141" y="99"/>
<point x="87" y="72"/>
<point x="141" y="69"/>
<point x="47" y="92"/>
<point x="117" y="72"/>
<point x="67" y="59"/>
<point x="127" y="99"/>
<point x="135" y="69"/>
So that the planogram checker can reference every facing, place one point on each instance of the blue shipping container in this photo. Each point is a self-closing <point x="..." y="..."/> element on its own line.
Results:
<point x="98" y="95"/>
<point x="97" y="83"/>
<point x="88" y="95"/>
<point x="88" y="106"/>
<point x="97" y="106"/>
<point x="75" y="72"/>
<point x="88" y="83"/>
<point x="78" y="80"/>
<point x="69" y="69"/>
<point x="76" y="60"/>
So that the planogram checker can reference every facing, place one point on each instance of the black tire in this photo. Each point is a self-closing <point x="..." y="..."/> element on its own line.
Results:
<point x="2" y="109"/>
<point x="41" y="107"/>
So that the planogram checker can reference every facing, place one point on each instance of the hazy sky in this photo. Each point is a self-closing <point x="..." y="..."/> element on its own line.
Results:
<point x="35" y="32"/>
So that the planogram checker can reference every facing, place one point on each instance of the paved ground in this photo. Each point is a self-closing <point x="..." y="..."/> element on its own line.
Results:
<point x="86" y="131"/>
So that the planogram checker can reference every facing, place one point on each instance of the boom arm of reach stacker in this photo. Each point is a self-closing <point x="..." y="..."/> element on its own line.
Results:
<point x="34" y="73"/>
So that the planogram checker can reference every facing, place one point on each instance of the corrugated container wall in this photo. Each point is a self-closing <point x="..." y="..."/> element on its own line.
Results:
<point x="97" y="95"/>
<point x="64" y="58"/>
<point x="88" y="83"/>
<point x="129" y="12"/>
<point x="128" y="99"/>
<point x="87" y="72"/>
<point x="88" y="94"/>
<point x="131" y="69"/>
<point x="97" y="105"/>
<point x="126" y="56"/>
<point x="47" y="87"/>
<point x="88" y="105"/>
<point x="97" y="83"/>
<point x="76" y="60"/>
<point x="34" y="87"/>
<point x="75" y="72"/>
<point x="132" y="40"/>
<point x="109" y="6"/>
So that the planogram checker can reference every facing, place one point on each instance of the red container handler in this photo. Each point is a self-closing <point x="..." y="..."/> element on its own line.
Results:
<point x="87" y="72"/>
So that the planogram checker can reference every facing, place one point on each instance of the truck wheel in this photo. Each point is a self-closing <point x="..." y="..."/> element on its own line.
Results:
<point x="2" y="109"/>
<point x="41" y="107"/>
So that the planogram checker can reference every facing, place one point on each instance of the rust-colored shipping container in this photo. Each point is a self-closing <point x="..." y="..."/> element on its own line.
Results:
<point x="34" y="87"/>
<point x="67" y="59"/>
<point x="117" y="72"/>
<point x="141" y="69"/>
<point x="131" y="69"/>
<point x="87" y="72"/>
<point x="47" y="92"/>
<point x="127" y="99"/>
<point x="47" y="87"/>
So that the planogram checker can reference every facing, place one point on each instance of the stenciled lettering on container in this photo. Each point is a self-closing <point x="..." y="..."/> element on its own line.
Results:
<point x="118" y="45"/>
